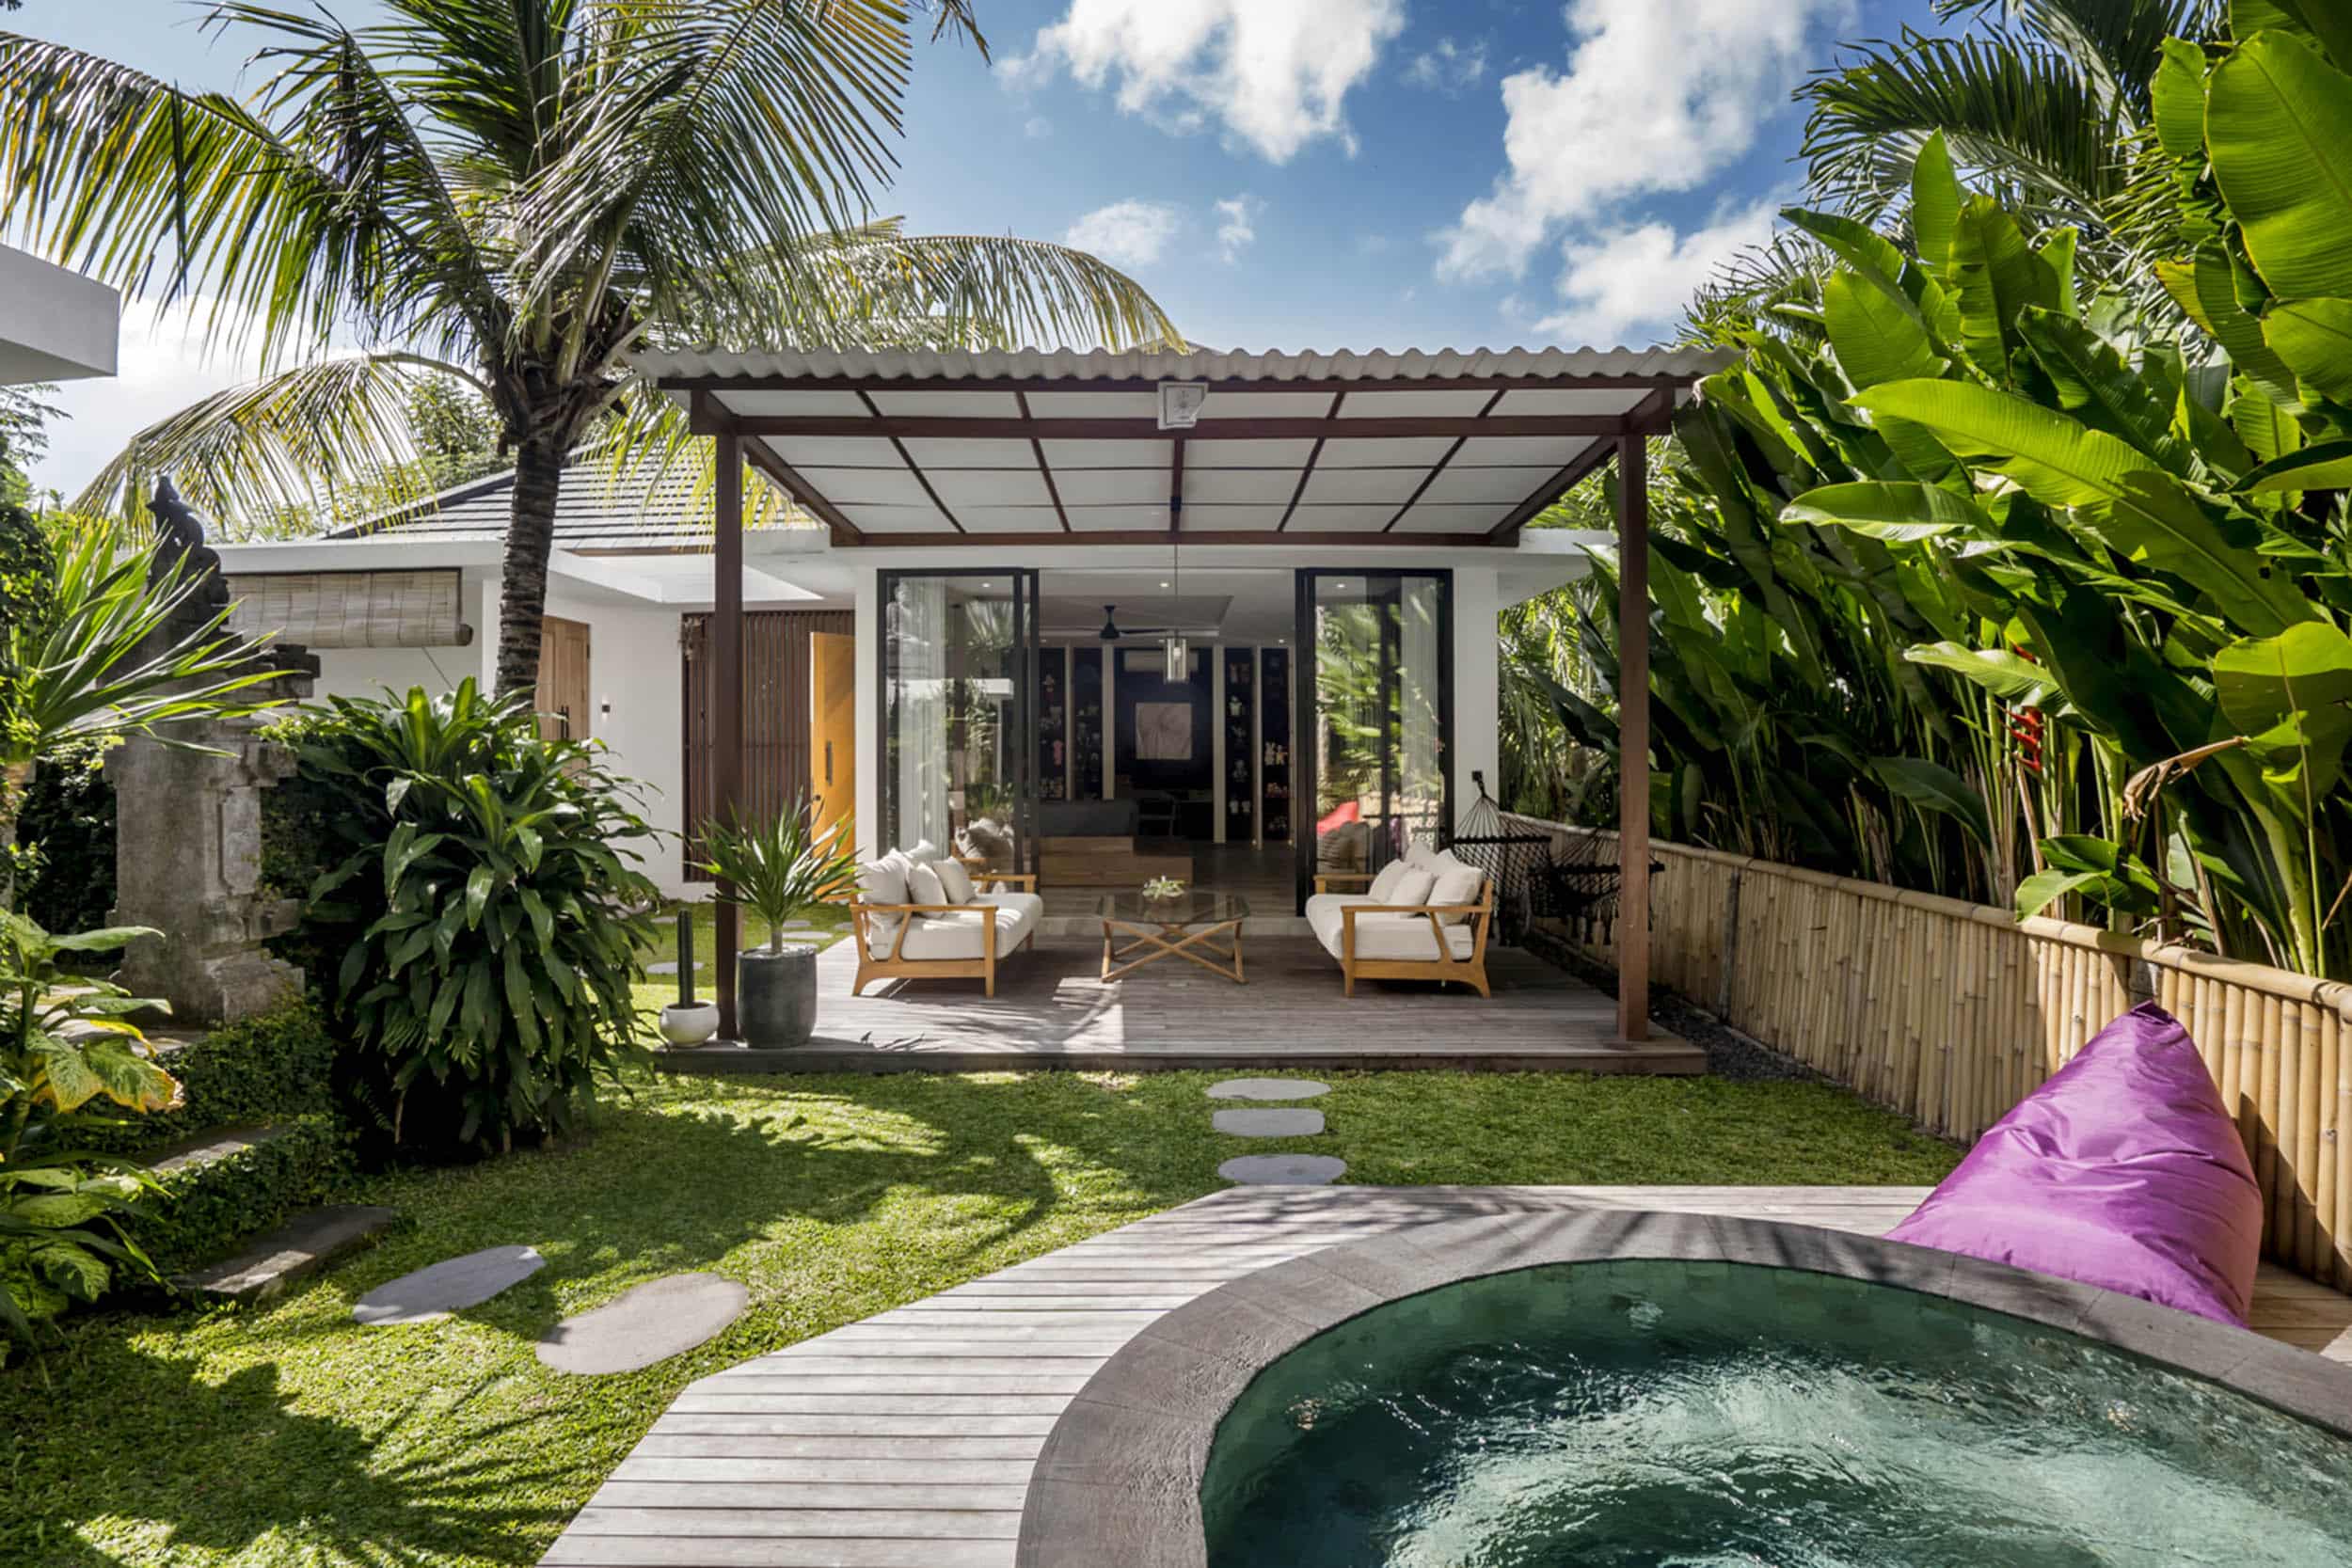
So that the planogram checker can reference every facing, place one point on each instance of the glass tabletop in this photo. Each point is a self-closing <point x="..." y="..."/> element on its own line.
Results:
<point x="1193" y="907"/>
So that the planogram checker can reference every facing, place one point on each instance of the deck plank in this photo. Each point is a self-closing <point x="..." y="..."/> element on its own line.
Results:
<point x="905" y="1441"/>
<point x="1051" y="1009"/>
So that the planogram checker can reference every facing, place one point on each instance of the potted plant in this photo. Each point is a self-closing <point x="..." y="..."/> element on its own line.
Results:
<point x="778" y="868"/>
<point x="686" y="1023"/>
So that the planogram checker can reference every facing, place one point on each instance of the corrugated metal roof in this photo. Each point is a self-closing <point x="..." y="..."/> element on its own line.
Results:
<point x="1197" y="365"/>
<point x="593" y="511"/>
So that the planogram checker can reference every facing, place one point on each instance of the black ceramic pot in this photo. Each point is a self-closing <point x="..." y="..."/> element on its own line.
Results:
<point x="775" y="999"/>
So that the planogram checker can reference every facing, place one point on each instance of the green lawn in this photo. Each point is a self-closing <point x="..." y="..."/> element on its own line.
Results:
<point x="288" y="1436"/>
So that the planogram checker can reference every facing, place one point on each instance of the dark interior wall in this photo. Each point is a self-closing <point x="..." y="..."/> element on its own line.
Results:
<point x="1143" y="679"/>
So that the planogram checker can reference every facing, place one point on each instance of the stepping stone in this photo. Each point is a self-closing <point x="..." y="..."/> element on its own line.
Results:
<point x="1267" y="1088"/>
<point x="431" y="1293"/>
<point x="302" y="1245"/>
<point x="1269" y="1124"/>
<point x="1282" y="1170"/>
<point x="669" y="966"/>
<point x="655" y="1320"/>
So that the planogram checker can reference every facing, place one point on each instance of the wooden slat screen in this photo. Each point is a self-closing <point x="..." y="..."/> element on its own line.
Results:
<point x="351" y="609"/>
<point x="1952" y="1013"/>
<point x="775" y="719"/>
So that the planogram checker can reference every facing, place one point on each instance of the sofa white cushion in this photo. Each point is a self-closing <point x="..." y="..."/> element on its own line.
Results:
<point x="1457" y="884"/>
<point x="923" y="885"/>
<point x="955" y="882"/>
<point x="1382" y="935"/>
<point x="883" y="881"/>
<point x="1323" y="901"/>
<point x="1420" y="852"/>
<point x="1383" y="889"/>
<point x="924" y="851"/>
<point x="960" y="935"/>
<point x="1411" y="888"/>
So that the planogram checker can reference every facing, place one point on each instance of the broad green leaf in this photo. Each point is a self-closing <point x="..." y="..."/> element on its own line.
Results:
<point x="1874" y="255"/>
<point x="2314" y="338"/>
<point x="2016" y="680"/>
<point x="2325" y="467"/>
<point x="2178" y="91"/>
<point x="1935" y="787"/>
<point x="1935" y="199"/>
<point x="2279" y="127"/>
<point x="2261" y="680"/>
<point x="2095" y="385"/>
<point x="2056" y="251"/>
<point x="2326" y="23"/>
<point x="57" y="1210"/>
<point x="1877" y="337"/>
<point x="2139" y="511"/>
<point x="1895" y="512"/>
<point x="2205" y="289"/>
<point x="1995" y="276"/>
<point x="478" y="882"/>
<point x="104" y="941"/>
<point x="2044" y="888"/>
<point x="2269" y="431"/>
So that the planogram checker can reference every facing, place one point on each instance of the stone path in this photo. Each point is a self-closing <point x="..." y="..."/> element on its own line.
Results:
<point x="433" y="1292"/>
<point x="1292" y="1121"/>
<point x="652" y="1323"/>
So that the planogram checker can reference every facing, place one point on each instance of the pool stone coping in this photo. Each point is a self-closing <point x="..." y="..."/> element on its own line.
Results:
<point x="1119" y="1480"/>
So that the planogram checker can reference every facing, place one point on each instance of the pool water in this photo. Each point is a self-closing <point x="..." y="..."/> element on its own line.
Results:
<point x="1637" y="1415"/>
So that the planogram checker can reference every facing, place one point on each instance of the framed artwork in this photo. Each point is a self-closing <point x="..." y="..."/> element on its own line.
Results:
<point x="1163" y="732"/>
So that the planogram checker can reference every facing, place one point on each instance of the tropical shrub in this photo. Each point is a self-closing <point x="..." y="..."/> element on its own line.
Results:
<point x="781" y="866"/>
<point x="483" y="914"/>
<point x="66" y="838"/>
<point x="1975" y="579"/>
<point x="66" y="1045"/>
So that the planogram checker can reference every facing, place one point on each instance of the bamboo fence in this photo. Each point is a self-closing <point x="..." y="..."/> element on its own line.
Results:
<point x="1951" y="1012"/>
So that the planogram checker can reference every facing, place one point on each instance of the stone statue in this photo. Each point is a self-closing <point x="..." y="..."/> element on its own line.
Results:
<point x="180" y="535"/>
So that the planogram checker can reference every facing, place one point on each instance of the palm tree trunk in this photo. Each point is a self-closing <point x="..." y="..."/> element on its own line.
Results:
<point x="531" y="533"/>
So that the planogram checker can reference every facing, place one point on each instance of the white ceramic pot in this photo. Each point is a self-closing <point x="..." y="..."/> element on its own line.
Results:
<point x="691" y="1024"/>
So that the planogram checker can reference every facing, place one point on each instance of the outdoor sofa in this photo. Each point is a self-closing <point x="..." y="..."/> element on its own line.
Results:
<point x="922" y="914"/>
<point x="1424" y="917"/>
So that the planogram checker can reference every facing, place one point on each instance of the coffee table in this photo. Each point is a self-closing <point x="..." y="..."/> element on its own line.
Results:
<point x="1184" y="926"/>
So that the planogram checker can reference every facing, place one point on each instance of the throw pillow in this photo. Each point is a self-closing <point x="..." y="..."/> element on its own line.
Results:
<point x="954" y="880"/>
<point x="924" y="851"/>
<point x="1455" y="885"/>
<point x="883" y="881"/>
<point x="1420" y="852"/>
<point x="1411" y="888"/>
<point x="1384" y="885"/>
<point x="923" y="884"/>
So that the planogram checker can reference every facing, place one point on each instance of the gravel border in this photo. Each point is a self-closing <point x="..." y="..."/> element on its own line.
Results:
<point x="1730" y="1055"/>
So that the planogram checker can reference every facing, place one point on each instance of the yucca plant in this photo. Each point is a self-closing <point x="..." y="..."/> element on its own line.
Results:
<point x="487" y="912"/>
<point x="783" y="865"/>
<point x="99" y="663"/>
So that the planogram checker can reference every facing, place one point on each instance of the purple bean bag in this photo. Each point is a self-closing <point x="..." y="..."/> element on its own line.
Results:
<point x="2123" y="1171"/>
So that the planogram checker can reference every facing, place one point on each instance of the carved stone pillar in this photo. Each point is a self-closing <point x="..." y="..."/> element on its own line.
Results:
<point x="188" y="830"/>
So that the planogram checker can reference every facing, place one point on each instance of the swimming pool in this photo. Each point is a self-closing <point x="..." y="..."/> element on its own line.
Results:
<point x="1608" y="1389"/>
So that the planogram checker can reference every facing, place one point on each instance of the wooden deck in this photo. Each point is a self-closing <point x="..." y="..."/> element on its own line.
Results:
<point x="1051" y="1010"/>
<point x="906" y="1441"/>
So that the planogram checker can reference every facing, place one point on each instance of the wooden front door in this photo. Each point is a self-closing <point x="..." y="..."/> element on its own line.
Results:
<point x="563" y="696"/>
<point x="832" y="726"/>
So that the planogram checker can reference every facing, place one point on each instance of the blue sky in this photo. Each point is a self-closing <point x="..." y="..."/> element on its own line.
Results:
<point x="1280" y="173"/>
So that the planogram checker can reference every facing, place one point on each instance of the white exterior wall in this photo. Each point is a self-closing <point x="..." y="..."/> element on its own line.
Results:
<point x="635" y="676"/>
<point x="1477" y="687"/>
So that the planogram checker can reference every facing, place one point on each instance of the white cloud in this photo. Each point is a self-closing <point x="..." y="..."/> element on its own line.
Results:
<point x="1037" y="128"/>
<point x="161" y="366"/>
<point x="1658" y="95"/>
<point x="1273" y="74"/>
<point x="1448" y="67"/>
<point x="1130" y="233"/>
<point x="1640" y="277"/>
<point x="1237" y="225"/>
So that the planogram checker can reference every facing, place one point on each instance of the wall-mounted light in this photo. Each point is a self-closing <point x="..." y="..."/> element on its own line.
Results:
<point x="1180" y="404"/>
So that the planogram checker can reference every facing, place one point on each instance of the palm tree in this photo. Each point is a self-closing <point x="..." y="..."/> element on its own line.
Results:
<point x="519" y="194"/>
<point x="2042" y="106"/>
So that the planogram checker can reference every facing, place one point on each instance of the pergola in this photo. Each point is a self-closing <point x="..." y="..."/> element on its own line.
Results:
<point x="1449" y="450"/>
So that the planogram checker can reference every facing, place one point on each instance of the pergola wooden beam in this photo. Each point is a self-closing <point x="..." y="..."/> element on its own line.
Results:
<point x="1633" y="739"/>
<point x="1120" y="384"/>
<point x="1378" y="427"/>
<point x="1652" y="415"/>
<point x="726" y="698"/>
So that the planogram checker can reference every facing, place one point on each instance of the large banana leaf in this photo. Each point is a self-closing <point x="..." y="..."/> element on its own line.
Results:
<point x="2259" y="681"/>
<point x="2139" y="511"/>
<point x="2314" y="338"/>
<point x="1890" y="511"/>
<point x="2279" y="128"/>
<point x="1995" y="276"/>
<point x="1878" y="337"/>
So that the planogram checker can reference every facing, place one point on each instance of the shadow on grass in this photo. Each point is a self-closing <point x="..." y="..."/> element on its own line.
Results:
<point x="293" y="1435"/>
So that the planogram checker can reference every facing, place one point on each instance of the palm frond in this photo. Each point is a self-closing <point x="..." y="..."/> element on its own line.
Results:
<point x="2114" y="41"/>
<point x="297" y="441"/>
<point x="873" y="287"/>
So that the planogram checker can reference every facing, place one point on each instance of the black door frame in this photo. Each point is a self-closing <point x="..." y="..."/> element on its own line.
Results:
<point x="1305" y="709"/>
<point x="1027" y="626"/>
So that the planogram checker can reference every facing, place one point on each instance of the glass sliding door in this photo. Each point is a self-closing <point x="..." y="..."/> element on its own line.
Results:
<point x="1376" y="716"/>
<point x="959" y="663"/>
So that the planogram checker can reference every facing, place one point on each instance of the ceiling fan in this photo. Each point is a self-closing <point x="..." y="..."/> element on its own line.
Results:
<point x="1112" y="632"/>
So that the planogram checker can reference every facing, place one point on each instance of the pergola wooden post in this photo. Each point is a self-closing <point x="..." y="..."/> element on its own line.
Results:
<point x="727" y="695"/>
<point x="1633" y="738"/>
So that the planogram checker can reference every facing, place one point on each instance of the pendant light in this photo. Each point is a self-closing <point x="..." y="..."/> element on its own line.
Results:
<point x="1179" y="656"/>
